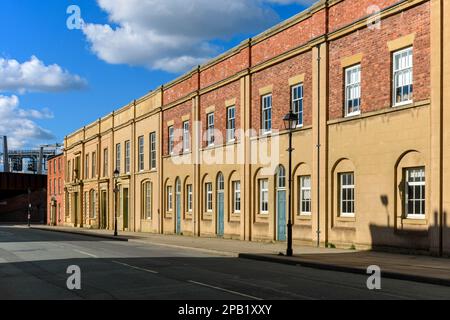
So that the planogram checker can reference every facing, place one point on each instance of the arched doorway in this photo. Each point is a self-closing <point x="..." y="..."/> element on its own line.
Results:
<point x="281" y="203"/>
<point x="178" y="206"/>
<point x="220" y="205"/>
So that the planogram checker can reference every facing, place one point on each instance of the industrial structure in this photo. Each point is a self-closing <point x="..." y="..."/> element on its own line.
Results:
<point x="27" y="161"/>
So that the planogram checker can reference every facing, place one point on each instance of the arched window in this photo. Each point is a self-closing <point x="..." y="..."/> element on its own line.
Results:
<point x="93" y="204"/>
<point x="147" y="200"/>
<point x="220" y="183"/>
<point x="281" y="177"/>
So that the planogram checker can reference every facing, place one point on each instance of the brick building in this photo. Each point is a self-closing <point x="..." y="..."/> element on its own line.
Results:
<point x="55" y="190"/>
<point x="371" y="145"/>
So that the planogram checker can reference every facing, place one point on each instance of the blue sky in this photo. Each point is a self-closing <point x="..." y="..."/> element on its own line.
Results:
<point x="56" y="80"/>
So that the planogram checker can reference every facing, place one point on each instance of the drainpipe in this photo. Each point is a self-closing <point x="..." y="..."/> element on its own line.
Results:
<point x="318" y="145"/>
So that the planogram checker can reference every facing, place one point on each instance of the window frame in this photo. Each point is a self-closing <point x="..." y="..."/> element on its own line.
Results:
<point x="141" y="153"/>
<point x="422" y="199"/>
<point x="169" y="199"/>
<point x="263" y="194"/>
<point x="266" y="111"/>
<point x="105" y="163"/>
<point x="94" y="165"/>
<point x="186" y="136"/>
<point x="189" y="198"/>
<point x="231" y="124"/>
<point x="210" y="126"/>
<point x="394" y="80"/>
<point x="127" y="157"/>
<point x="209" y="197"/>
<point x="302" y="199"/>
<point x="343" y="187"/>
<point x="352" y="85"/>
<point x="147" y="198"/>
<point x="237" y="200"/>
<point x="153" y="155"/>
<point x="300" y="101"/>
<point x="171" y="141"/>
<point x="118" y="157"/>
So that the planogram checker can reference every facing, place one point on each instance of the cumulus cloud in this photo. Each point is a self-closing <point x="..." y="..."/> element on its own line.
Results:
<point x="174" y="35"/>
<point x="19" y="124"/>
<point x="33" y="75"/>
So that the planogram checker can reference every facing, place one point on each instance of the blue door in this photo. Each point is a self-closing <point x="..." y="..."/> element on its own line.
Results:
<point x="281" y="210"/>
<point x="220" y="214"/>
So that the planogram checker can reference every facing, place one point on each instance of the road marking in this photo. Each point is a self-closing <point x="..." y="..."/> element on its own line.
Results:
<point x="225" y="290"/>
<point x="136" y="268"/>
<point x="86" y="253"/>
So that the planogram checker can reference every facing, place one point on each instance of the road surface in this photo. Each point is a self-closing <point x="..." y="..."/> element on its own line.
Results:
<point x="34" y="263"/>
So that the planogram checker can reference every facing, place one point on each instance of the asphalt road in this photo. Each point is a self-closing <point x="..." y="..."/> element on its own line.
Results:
<point x="33" y="265"/>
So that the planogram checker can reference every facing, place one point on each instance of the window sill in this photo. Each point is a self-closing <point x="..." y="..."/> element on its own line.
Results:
<point x="304" y="217"/>
<point x="402" y="104"/>
<point x="353" y="114"/>
<point x="415" y="221"/>
<point x="346" y="219"/>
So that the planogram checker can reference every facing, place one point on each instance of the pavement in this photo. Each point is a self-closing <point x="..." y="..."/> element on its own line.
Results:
<point x="424" y="269"/>
<point x="34" y="263"/>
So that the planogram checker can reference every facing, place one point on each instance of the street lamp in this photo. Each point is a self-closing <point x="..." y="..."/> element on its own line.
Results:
<point x="290" y="123"/>
<point x="116" y="191"/>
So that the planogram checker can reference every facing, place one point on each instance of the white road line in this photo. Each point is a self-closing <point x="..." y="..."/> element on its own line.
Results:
<point x="136" y="268"/>
<point x="85" y="253"/>
<point x="225" y="290"/>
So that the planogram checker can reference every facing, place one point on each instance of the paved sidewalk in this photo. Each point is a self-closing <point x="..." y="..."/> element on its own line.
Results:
<point x="398" y="266"/>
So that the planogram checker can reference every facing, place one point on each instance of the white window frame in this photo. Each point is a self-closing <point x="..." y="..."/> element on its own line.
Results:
<point x="231" y="124"/>
<point x="86" y="167"/>
<point x="266" y="113"/>
<point x="264" y="196"/>
<point x="210" y="129"/>
<point x="147" y="197"/>
<point x="346" y="187"/>
<point x="118" y="156"/>
<point x="352" y="90"/>
<point x="304" y="190"/>
<point x="297" y="94"/>
<point x="153" y="162"/>
<point x="421" y="184"/>
<point x="186" y="136"/>
<point x="209" y="197"/>
<point x="237" y="197"/>
<point x="92" y="205"/>
<point x="189" y="198"/>
<point x="407" y="71"/>
<point x="94" y="165"/>
<point x="141" y="155"/>
<point x="169" y="199"/>
<point x="171" y="132"/>
<point x="127" y="157"/>
<point x="105" y="162"/>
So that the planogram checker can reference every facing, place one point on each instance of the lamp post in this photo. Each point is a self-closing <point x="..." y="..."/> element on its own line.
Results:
<point x="116" y="191"/>
<point x="290" y="123"/>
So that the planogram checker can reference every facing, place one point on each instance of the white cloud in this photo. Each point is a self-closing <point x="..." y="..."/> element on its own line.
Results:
<point x="174" y="35"/>
<point x="19" y="124"/>
<point x="34" y="75"/>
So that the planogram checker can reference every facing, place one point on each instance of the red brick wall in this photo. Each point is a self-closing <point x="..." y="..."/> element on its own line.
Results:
<point x="59" y="195"/>
<point x="376" y="68"/>
<point x="349" y="11"/>
<point x="278" y="76"/>
<point x="180" y="90"/>
<point x="175" y="114"/>
<point x="289" y="39"/>
<point x="218" y="98"/>
<point x="225" y="69"/>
